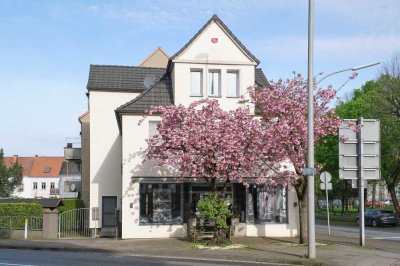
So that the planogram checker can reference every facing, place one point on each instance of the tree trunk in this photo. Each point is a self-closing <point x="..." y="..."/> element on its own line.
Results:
<point x="302" y="198"/>
<point x="395" y="202"/>
<point x="373" y="193"/>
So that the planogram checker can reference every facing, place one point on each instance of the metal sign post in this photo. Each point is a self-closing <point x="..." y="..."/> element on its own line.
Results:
<point x="326" y="185"/>
<point x="359" y="157"/>
<point x="361" y="181"/>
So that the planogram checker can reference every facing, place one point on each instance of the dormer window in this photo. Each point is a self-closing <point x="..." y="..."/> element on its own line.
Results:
<point x="214" y="84"/>
<point x="196" y="82"/>
<point x="47" y="170"/>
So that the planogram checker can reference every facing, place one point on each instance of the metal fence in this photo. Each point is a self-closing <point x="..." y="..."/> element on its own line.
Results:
<point x="74" y="224"/>
<point x="18" y="223"/>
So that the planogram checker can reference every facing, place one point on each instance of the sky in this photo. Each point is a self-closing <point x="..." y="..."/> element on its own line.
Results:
<point x="46" y="48"/>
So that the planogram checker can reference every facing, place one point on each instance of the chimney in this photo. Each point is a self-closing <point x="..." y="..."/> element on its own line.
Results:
<point x="36" y="155"/>
<point x="15" y="158"/>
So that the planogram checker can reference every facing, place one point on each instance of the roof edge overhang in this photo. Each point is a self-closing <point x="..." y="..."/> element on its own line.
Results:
<point x="225" y="28"/>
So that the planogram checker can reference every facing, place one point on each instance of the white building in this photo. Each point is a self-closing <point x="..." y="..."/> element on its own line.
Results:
<point x="213" y="64"/>
<point x="41" y="176"/>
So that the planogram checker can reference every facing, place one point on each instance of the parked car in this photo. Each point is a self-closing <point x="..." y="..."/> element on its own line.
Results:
<point x="388" y="202"/>
<point x="378" y="204"/>
<point x="379" y="217"/>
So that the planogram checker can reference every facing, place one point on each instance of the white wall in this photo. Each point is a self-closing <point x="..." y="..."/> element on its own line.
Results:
<point x="203" y="54"/>
<point x="133" y="146"/>
<point x="29" y="192"/>
<point x="105" y="147"/>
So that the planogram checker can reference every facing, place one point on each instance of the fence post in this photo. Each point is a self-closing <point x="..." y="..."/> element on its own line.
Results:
<point x="50" y="224"/>
<point x="26" y="228"/>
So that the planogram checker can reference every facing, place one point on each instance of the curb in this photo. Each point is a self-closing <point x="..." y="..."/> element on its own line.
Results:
<point x="226" y="258"/>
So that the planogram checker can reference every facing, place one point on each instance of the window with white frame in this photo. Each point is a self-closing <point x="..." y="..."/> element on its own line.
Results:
<point x="214" y="82"/>
<point x="43" y="185"/>
<point x="233" y="83"/>
<point x="52" y="185"/>
<point x="34" y="185"/>
<point x="196" y="82"/>
<point x="153" y="128"/>
<point x="21" y="188"/>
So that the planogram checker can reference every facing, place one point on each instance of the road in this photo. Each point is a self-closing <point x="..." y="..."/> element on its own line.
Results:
<point x="386" y="233"/>
<point x="13" y="257"/>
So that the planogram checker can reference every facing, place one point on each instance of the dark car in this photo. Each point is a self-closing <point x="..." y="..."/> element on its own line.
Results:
<point x="380" y="217"/>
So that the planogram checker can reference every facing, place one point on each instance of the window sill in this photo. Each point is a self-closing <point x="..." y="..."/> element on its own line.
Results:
<point x="197" y="96"/>
<point x="158" y="224"/>
<point x="214" y="96"/>
<point x="233" y="97"/>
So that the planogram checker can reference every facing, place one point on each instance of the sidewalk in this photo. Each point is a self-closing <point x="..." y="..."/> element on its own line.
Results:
<point x="331" y="250"/>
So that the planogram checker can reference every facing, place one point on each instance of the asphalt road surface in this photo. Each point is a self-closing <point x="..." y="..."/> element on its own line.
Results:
<point x="385" y="233"/>
<point x="14" y="257"/>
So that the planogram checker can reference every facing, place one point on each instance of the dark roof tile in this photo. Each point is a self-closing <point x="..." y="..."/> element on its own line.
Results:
<point x="260" y="78"/>
<point x="120" y="78"/>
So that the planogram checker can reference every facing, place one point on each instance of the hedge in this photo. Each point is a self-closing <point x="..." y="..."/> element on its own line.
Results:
<point x="21" y="209"/>
<point x="71" y="204"/>
<point x="16" y="213"/>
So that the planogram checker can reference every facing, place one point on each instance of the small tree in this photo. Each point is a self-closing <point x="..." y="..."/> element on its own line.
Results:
<point x="10" y="177"/>
<point x="204" y="141"/>
<point x="283" y="108"/>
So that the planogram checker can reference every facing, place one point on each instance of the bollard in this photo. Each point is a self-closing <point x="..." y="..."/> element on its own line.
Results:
<point x="26" y="228"/>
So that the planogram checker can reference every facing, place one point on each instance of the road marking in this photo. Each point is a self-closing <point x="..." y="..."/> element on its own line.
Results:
<point x="388" y="237"/>
<point x="13" y="264"/>
<point x="205" y="260"/>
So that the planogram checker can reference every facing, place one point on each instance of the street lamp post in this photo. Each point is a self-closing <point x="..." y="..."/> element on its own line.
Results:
<point x="310" y="130"/>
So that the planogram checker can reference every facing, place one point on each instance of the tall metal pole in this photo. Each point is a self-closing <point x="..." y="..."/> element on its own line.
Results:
<point x="310" y="130"/>
<point x="361" y="182"/>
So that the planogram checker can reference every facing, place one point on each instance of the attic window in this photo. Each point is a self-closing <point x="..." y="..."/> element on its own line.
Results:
<point x="47" y="170"/>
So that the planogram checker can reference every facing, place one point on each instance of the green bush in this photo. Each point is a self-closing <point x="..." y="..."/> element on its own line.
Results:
<point x="17" y="213"/>
<point x="71" y="204"/>
<point x="20" y="209"/>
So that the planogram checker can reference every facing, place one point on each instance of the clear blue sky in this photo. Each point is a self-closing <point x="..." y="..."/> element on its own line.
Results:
<point x="46" y="48"/>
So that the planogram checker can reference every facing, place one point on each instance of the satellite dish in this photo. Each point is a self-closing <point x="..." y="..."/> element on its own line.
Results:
<point x="73" y="187"/>
<point x="149" y="80"/>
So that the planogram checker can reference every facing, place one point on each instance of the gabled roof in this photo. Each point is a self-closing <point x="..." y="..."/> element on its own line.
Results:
<point x="120" y="78"/>
<point x="159" y="94"/>
<point x="260" y="78"/>
<point x="158" y="58"/>
<point x="25" y="162"/>
<point x="216" y="19"/>
<point x="46" y="167"/>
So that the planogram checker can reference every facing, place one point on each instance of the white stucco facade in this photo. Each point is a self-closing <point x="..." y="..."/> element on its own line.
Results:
<point x="117" y="153"/>
<point x="105" y="148"/>
<point x="29" y="191"/>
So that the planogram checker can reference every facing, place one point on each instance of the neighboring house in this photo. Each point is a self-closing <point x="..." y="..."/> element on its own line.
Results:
<point x="84" y="120"/>
<point x="158" y="58"/>
<point x="70" y="180"/>
<point x="213" y="64"/>
<point x="41" y="177"/>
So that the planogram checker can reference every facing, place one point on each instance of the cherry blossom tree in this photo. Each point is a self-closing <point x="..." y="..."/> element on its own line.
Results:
<point x="204" y="141"/>
<point x="283" y="108"/>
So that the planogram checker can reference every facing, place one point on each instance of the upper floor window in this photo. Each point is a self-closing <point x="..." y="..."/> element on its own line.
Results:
<point x="233" y="83"/>
<point x="196" y="82"/>
<point x="153" y="128"/>
<point x="214" y="83"/>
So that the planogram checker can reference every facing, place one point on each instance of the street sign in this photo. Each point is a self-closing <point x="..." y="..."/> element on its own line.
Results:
<point x="309" y="171"/>
<point x="325" y="177"/>
<point x="349" y="149"/>
<point x="325" y="186"/>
